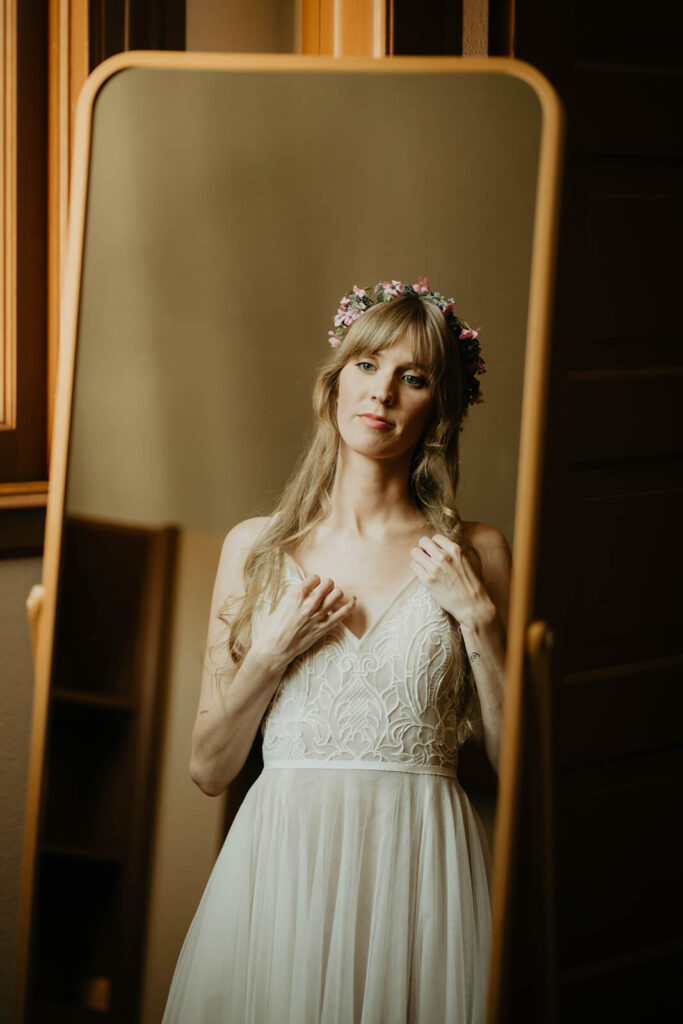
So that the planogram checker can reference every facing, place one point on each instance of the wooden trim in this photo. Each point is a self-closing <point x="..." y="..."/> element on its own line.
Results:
<point x="531" y="440"/>
<point x="24" y="495"/>
<point x="8" y="216"/>
<point x="344" y="28"/>
<point x="527" y="513"/>
<point x="68" y="56"/>
<point x="67" y="51"/>
<point x="213" y="61"/>
<point x="52" y="547"/>
<point x="310" y="26"/>
<point x="23" y="440"/>
<point x="475" y="28"/>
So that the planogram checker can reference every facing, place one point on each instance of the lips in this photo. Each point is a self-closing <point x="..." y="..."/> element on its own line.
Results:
<point x="378" y="421"/>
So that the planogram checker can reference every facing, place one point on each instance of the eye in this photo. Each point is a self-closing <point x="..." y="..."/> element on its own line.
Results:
<point x="415" y="382"/>
<point x="364" y="363"/>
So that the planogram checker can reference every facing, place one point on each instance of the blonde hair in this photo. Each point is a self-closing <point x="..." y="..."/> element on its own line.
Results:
<point x="433" y="473"/>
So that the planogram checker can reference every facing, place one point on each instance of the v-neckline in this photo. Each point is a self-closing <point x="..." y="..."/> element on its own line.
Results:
<point x="358" y="640"/>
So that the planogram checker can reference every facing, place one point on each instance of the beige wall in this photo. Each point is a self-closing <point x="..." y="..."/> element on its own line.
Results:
<point x="17" y="576"/>
<point x="209" y="292"/>
<point x="243" y="26"/>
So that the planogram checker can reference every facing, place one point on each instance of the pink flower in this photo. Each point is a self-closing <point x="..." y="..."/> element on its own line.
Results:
<point x="448" y="308"/>
<point x="467" y="333"/>
<point x="422" y="286"/>
<point x="358" y="291"/>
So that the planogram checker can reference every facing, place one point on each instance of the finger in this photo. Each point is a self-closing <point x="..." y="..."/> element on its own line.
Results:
<point x="456" y="556"/>
<point x="309" y="583"/>
<point x="428" y="569"/>
<point x="317" y="596"/>
<point x="421" y="558"/>
<point x="341" y="611"/>
<point x="446" y="544"/>
<point x="430" y="548"/>
<point x="419" y="570"/>
<point x="425" y="574"/>
<point x="333" y="597"/>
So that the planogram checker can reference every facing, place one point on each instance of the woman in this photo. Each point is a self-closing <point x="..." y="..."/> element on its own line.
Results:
<point x="365" y="637"/>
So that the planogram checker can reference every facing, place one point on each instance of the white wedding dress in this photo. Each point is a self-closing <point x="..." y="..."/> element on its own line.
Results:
<point x="353" y="885"/>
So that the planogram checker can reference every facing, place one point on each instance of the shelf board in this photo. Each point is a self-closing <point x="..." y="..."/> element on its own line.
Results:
<point x="101" y="856"/>
<point x="57" y="1013"/>
<point x="98" y="700"/>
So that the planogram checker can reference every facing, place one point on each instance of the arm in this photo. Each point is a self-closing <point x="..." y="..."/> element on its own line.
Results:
<point x="480" y="606"/>
<point x="229" y="714"/>
<point x="484" y="636"/>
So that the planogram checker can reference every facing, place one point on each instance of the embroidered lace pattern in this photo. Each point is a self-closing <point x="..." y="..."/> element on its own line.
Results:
<point x="385" y="700"/>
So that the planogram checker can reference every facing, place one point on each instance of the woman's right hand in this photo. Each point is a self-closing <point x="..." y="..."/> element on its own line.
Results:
<point x="304" y="614"/>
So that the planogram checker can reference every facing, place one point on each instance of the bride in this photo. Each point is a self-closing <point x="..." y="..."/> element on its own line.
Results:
<point x="361" y="627"/>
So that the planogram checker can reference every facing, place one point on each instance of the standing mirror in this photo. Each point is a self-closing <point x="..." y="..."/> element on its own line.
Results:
<point x="221" y="206"/>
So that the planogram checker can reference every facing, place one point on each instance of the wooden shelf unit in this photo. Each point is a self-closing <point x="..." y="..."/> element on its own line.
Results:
<point x="106" y="710"/>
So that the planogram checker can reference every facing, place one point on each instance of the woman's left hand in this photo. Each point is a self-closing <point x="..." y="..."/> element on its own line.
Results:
<point x="448" y="574"/>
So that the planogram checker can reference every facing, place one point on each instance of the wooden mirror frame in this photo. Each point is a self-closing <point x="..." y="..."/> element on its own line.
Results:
<point x="525" y="638"/>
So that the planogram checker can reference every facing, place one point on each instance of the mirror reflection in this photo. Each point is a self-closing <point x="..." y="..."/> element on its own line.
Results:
<point x="227" y="213"/>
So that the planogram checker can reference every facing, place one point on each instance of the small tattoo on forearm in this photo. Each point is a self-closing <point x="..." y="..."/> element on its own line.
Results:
<point x="473" y="656"/>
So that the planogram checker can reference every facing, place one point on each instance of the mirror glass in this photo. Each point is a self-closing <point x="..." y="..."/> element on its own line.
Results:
<point x="227" y="213"/>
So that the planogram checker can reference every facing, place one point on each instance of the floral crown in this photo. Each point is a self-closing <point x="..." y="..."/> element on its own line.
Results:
<point x="358" y="301"/>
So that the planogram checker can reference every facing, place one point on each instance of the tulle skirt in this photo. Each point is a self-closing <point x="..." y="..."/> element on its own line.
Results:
<point x="342" y="897"/>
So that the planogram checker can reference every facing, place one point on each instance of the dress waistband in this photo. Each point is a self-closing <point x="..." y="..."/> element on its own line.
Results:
<point x="378" y="766"/>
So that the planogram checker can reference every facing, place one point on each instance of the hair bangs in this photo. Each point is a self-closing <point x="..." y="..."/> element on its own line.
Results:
<point x="420" y="321"/>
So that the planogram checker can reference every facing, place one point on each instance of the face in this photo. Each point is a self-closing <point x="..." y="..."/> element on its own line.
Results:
<point x="384" y="402"/>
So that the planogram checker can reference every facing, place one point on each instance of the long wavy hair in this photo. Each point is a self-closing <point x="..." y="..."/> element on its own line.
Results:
<point x="433" y="472"/>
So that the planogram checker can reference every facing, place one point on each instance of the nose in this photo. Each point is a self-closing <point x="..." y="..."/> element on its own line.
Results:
<point x="383" y="389"/>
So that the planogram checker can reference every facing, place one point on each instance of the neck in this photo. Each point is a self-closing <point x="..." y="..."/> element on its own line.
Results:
<point x="370" y="496"/>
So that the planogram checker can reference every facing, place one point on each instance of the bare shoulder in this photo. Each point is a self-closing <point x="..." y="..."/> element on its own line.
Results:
<point x="244" y="534"/>
<point x="485" y="538"/>
<point x="235" y="549"/>
<point x="496" y="563"/>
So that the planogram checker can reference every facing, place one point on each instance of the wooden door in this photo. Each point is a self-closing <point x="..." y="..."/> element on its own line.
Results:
<point x="610" y="555"/>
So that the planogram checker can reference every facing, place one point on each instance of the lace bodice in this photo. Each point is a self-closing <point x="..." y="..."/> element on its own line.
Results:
<point x="386" y="700"/>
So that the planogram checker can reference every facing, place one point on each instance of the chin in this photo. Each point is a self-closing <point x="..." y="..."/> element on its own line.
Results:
<point x="371" y="447"/>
